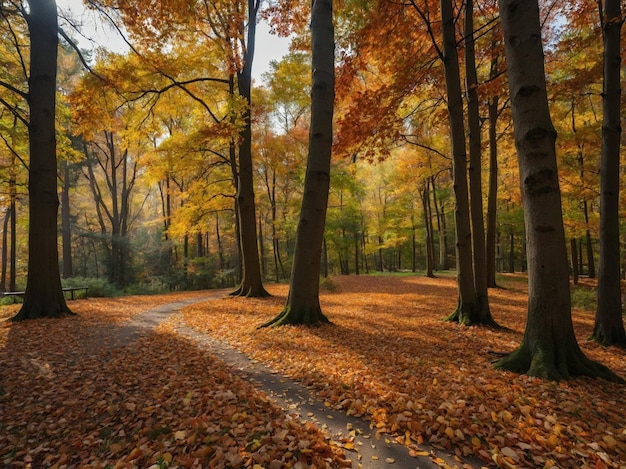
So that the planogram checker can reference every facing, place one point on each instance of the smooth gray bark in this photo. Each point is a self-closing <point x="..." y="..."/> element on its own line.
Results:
<point x="303" y="306"/>
<point x="44" y="296"/>
<point x="609" y="323"/>
<point x="549" y="349"/>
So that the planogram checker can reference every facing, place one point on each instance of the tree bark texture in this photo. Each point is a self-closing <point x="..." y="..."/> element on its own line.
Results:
<point x="44" y="295"/>
<point x="303" y="306"/>
<point x="251" y="279"/>
<point x="482" y="313"/>
<point x="492" y="197"/>
<point x="466" y="305"/>
<point x="549" y="349"/>
<point x="66" y="230"/>
<point x="609" y="324"/>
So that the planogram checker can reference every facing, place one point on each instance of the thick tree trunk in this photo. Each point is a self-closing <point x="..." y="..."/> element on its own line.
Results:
<point x="466" y="305"/>
<point x="492" y="197"/>
<point x="44" y="296"/>
<point x="303" y="306"/>
<point x="482" y="313"/>
<point x="251" y="279"/>
<point x="609" y="323"/>
<point x="549" y="349"/>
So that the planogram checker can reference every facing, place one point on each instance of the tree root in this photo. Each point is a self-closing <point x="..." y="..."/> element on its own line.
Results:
<point x="297" y="316"/>
<point x="553" y="363"/>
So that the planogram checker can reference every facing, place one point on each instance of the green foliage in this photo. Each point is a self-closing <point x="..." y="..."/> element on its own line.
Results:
<point x="584" y="297"/>
<point x="329" y="285"/>
<point x="98" y="287"/>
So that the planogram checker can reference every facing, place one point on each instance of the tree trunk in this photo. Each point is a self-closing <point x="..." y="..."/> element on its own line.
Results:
<point x="466" y="305"/>
<point x="549" y="349"/>
<point x="44" y="296"/>
<point x="5" y="229"/>
<point x="66" y="229"/>
<point x="574" y="261"/>
<point x="303" y="306"/>
<point x="609" y="324"/>
<point x="591" y="266"/>
<point x="492" y="198"/>
<point x="430" y="255"/>
<point x="443" y="240"/>
<point x="251" y="279"/>
<point x="13" y="256"/>
<point x="482" y="312"/>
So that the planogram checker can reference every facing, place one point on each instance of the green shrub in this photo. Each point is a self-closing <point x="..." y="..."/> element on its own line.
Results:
<point x="98" y="287"/>
<point x="329" y="285"/>
<point x="584" y="298"/>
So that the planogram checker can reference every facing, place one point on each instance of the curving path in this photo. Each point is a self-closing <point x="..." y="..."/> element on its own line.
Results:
<point x="294" y="398"/>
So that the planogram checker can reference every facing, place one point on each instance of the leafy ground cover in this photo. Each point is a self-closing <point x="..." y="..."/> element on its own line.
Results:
<point x="68" y="399"/>
<point x="389" y="357"/>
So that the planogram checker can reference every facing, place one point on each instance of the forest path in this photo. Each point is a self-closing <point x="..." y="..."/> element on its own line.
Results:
<point x="298" y="401"/>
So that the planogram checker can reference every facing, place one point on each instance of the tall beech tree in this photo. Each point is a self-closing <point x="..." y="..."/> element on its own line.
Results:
<point x="482" y="312"/>
<point x="303" y="305"/>
<point x="251" y="279"/>
<point x="467" y="301"/>
<point x="609" y="326"/>
<point x="44" y="295"/>
<point x="549" y="349"/>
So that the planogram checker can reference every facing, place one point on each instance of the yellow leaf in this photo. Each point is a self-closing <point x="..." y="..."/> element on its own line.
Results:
<point x="390" y="460"/>
<point x="610" y="441"/>
<point x="449" y="432"/>
<point x="553" y="440"/>
<point x="115" y="448"/>
<point x="180" y="435"/>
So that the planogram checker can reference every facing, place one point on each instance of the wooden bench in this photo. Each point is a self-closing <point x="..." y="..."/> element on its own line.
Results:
<point x="71" y="290"/>
<point x="14" y="294"/>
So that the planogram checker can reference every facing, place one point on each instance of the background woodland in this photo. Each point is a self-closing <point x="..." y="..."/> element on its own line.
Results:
<point x="146" y="144"/>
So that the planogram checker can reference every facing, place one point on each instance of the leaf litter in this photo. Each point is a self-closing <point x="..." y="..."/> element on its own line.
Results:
<point x="68" y="401"/>
<point x="389" y="358"/>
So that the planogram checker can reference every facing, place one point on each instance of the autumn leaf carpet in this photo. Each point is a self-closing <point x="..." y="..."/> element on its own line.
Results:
<point x="71" y="396"/>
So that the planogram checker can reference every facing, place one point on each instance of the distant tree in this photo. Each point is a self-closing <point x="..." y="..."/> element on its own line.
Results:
<point x="609" y="324"/>
<point x="549" y="349"/>
<point x="44" y="295"/>
<point x="303" y="306"/>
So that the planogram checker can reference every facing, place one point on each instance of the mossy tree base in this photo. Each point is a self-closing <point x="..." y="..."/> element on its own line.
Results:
<point x="609" y="337"/>
<point x="470" y="314"/>
<point x="554" y="363"/>
<point x="251" y="292"/>
<point x="307" y="316"/>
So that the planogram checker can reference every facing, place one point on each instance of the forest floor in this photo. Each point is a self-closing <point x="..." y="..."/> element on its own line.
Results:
<point x="70" y="396"/>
